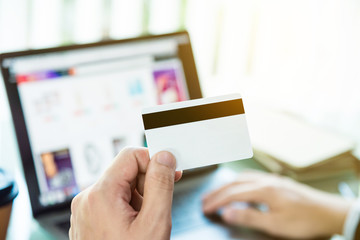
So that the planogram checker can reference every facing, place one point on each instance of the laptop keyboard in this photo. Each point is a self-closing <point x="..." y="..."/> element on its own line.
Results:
<point x="187" y="203"/>
<point x="186" y="212"/>
<point x="64" y="226"/>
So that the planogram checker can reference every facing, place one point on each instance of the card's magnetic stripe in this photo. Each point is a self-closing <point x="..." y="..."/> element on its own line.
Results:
<point x="193" y="114"/>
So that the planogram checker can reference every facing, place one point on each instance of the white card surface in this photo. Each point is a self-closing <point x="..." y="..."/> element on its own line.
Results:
<point x="199" y="132"/>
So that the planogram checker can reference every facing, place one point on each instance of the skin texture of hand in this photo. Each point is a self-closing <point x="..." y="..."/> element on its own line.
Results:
<point x="132" y="200"/>
<point x="294" y="210"/>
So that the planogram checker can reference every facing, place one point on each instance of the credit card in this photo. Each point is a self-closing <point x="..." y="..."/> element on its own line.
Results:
<point x="199" y="132"/>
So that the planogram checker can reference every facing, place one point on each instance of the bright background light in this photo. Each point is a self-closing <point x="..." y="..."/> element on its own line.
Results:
<point x="301" y="56"/>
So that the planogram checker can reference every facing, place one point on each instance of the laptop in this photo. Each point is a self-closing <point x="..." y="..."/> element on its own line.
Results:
<point x="75" y="107"/>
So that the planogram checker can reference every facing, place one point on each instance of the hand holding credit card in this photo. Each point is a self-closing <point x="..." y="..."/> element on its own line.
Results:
<point x="199" y="132"/>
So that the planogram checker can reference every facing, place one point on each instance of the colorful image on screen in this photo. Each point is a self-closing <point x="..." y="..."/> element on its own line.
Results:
<point x="168" y="87"/>
<point x="58" y="169"/>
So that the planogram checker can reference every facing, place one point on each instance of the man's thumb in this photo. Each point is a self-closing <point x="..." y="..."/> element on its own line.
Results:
<point x="159" y="187"/>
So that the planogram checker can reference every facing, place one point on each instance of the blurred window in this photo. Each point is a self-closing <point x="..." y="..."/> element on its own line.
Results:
<point x="301" y="56"/>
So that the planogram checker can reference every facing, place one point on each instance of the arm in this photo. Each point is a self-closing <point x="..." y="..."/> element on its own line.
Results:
<point x="294" y="210"/>
<point x="132" y="200"/>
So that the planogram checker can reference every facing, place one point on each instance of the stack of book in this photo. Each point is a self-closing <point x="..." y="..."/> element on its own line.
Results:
<point x="287" y="145"/>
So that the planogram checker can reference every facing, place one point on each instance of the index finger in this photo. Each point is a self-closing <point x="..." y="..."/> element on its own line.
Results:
<point x="127" y="165"/>
<point x="245" y="177"/>
<point x="130" y="167"/>
<point x="238" y="193"/>
<point x="141" y="180"/>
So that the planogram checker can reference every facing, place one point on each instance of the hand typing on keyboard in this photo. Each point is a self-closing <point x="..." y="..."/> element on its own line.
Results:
<point x="293" y="210"/>
<point x="132" y="200"/>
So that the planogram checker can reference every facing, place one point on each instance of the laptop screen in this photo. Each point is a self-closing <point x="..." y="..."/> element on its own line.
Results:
<point x="82" y="105"/>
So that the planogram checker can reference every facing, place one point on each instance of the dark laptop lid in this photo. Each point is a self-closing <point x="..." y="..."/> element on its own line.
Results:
<point x="75" y="107"/>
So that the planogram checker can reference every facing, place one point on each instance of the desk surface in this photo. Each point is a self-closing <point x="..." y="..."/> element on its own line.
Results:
<point x="24" y="226"/>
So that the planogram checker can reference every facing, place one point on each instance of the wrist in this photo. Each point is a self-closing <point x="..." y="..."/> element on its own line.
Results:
<point x="335" y="214"/>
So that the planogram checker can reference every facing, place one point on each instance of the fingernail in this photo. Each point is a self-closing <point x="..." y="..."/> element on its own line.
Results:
<point x="166" y="158"/>
<point x="229" y="215"/>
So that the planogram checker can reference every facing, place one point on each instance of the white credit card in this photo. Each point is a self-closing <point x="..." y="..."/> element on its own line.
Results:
<point x="199" y="132"/>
